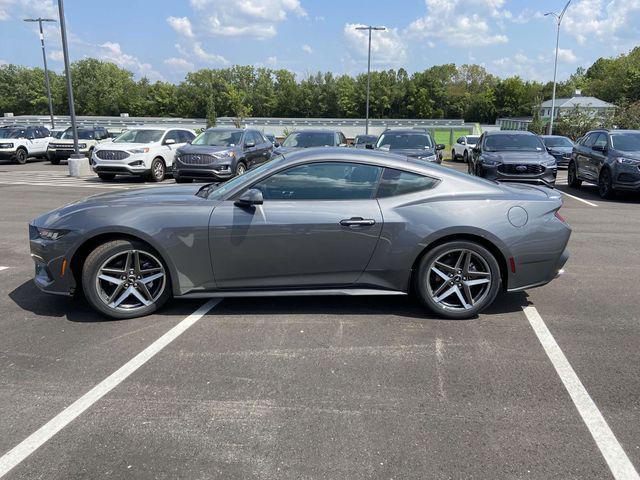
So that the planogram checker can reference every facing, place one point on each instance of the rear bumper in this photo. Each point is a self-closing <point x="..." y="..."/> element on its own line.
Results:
<point x="554" y="269"/>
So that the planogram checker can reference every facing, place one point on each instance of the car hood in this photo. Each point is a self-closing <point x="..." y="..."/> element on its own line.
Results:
<point x="126" y="146"/>
<point x="203" y="149"/>
<point x="129" y="199"/>
<point x="632" y="155"/>
<point x="518" y="157"/>
<point x="560" y="149"/>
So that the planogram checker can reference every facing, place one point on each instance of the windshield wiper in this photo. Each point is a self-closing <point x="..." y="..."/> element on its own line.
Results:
<point x="205" y="190"/>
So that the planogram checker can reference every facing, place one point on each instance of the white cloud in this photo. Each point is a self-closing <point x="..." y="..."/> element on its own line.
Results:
<point x="307" y="48"/>
<point x="566" y="55"/>
<point x="206" y="56"/>
<point x="249" y="18"/>
<point x="20" y="8"/>
<point x="387" y="47"/>
<point x="272" y="61"/>
<point x="56" y="55"/>
<point x="461" y="23"/>
<point x="179" y="64"/>
<point x="182" y="25"/>
<point x="112" y="52"/>
<point x="603" y="20"/>
<point x="3" y="62"/>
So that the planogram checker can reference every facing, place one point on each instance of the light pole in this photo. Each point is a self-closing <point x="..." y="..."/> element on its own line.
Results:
<point x="67" y="71"/>
<point x="558" y="17"/>
<point x="369" y="28"/>
<point x="44" y="59"/>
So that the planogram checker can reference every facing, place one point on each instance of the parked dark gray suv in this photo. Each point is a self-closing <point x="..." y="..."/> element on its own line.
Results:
<point x="608" y="158"/>
<point x="514" y="156"/>
<point x="220" y="153"/>
<point x="560" y="147"/>
<point x="412" y="143"/>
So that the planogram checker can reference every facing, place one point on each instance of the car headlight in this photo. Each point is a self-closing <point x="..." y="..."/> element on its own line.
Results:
<point x="550" y="163"/>
<point x="226" y="154"/>
<point x="139" y="150"/>
<point x="6" y="145"/>
<point x="51" y="234"/>
<point x="82" y="145"/>
<point x="490" y="162"/>
<point x="628" y="161"/>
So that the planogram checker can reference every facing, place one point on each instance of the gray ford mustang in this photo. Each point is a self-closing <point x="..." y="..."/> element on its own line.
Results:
<point x="323" y="221"/>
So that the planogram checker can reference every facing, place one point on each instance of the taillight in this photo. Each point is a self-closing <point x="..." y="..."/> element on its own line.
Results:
<point x="560" y="217"/>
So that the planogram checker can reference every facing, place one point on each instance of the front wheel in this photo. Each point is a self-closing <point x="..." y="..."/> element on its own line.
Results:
<point x="605" y="184"/>
<point x="453" y="155"/>
<point x="21" y="156"/>
<point x="465" y="157"/>
<point x="240" y="169"/>
<point x="458" y="279"/>
<point x="125" y="279"/>
<point x="158" y="170"/>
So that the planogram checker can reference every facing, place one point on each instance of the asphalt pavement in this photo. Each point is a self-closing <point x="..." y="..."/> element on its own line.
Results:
<point x="324" y="387"/>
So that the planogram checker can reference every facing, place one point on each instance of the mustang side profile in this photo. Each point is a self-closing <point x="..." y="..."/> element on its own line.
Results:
<point x="320" y="221"/>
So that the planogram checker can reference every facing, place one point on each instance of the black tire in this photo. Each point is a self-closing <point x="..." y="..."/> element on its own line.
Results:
<point x="465" y="157"/>
<point x="605" y="184"/>
<point x="183" y="180"/>
<point x="422" y="275"/>
<point x="21" y="156"/>
<point x="453" y="155"/>
<point x="106" y="177"/>
<point x="572" y="176"/>
<point x="97" y="259"/>
<point x="240" y="168"/>
<point x="158" y="170"/>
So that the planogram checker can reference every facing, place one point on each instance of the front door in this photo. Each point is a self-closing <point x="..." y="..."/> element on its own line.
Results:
<point x="318" y="227"/>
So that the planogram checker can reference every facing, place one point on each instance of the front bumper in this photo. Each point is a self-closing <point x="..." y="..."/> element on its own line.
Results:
<point x="7" y="154"/>
<point x="495" y="172"/>
<point x="206" y="172"/>
<point x="64" y="153"/>
<point x="135" y="165"/>
<point x="49" y="258"/>
<point x="627" y="178"/>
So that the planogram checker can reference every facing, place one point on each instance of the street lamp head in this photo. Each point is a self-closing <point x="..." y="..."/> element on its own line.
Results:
<point x="370" y="27"/>
<point x="38" y="19"/>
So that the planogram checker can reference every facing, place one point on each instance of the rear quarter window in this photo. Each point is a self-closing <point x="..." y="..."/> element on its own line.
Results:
<point x="398" y="182"/>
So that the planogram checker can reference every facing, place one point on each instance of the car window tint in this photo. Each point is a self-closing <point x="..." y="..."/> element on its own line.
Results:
<point x="174" y="135"/>
<point x="397" y="182"/>
<point x="259" y="138"/>
<point x="590" y="139"/>
<point x="186" y="136"/>
<point x="601" y="140"/>
<point x="322" y="181"/>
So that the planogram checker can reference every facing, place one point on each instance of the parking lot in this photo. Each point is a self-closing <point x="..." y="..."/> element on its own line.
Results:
<point x="324" y="387"/>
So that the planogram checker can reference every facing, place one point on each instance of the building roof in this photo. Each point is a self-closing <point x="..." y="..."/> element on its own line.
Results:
<point x="578" y="101"/>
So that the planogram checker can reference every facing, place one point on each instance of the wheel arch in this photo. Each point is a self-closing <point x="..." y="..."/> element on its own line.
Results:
<point x="482" y="239"/>
<point x="79" y="255"/>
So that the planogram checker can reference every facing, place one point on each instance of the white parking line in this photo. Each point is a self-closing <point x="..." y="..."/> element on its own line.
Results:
<point x="619" y="464"/>
<point x="20" y="452"/>
<point x="579" y="199"/>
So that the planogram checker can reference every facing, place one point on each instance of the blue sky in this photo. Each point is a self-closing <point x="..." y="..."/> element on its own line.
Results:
<point x="164" y="39"/>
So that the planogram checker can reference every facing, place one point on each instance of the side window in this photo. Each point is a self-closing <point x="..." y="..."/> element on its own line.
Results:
<point x="186" y="136"/>
<point x="31" y="132"/>
<point x="397" y="182"/>
<point x="601" y="140"/>
<point x="173" y="135"/>
<point x="45" y="132"/>
<point x="250" y="137"/>
<point x="590" y="139"/>
<point x="322" y="181"/>
<point x="460" y="140"/>
<point x="259" y="138"/>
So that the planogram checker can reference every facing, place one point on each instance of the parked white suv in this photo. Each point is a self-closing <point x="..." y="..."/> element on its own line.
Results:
<point x="144" y="152"/>
<point x="88" y="138"/>
<point x="463" y="147"/>
<point x="19" y="143"/>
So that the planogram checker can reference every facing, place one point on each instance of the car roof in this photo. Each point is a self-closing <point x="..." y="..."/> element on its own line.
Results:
<point x="509" y="132"/>
<point x="554" y="136"/>
<point x="227" y="129"/>
<point x="317" y="130"/>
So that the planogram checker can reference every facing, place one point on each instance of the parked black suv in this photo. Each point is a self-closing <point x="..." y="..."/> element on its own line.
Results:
<point x="514" y="156"/>
<point x="220" y="153"/>
<point x="412" y="143"/>
<point x="608" y="158"/>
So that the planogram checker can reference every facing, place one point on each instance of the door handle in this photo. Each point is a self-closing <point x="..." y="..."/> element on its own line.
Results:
<point x="357" y="222"/>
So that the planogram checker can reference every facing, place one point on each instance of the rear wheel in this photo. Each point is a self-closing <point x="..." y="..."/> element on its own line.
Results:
<point x="158" y="170"/>
<point x="453" y="155"/>
<point x="572" y="176"/>
<point x="240" y="169"/>
<point x="458" y="279"/>
<point x="125" y="279"/>
<point x="465" y="157"/>
<point x="605" y="185"/>
<point x="21" y="156"/>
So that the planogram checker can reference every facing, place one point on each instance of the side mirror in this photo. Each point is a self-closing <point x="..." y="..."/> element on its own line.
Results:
<point x="250" y="198"/>
<point x="369" y="146"/>
<point x="249" y="144"/>
<point x="440" y="146"/>
<point x="599" y="148"/>
<point x="169" y="141"/>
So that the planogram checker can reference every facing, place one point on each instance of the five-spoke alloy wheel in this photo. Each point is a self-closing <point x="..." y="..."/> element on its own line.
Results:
<point x="458" y="279"/>
<point x="125" y="279"/>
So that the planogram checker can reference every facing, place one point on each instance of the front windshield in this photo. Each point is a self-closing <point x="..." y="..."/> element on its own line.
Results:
<point x="139" y="136"/>
<point x="309" y="139"/>
<point x="626" y="142"/>
<point x="218" y="138"/>
<point x="472" y="140"/>
<point x="82" y="134"/>
<point x="552" y="142"/>
<point x="12" y="132"/>
<point x="361" y="139"/>
<point x="219" y="192"/>
<point x="513" y="142"/>
<point x="397" y="141"/>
